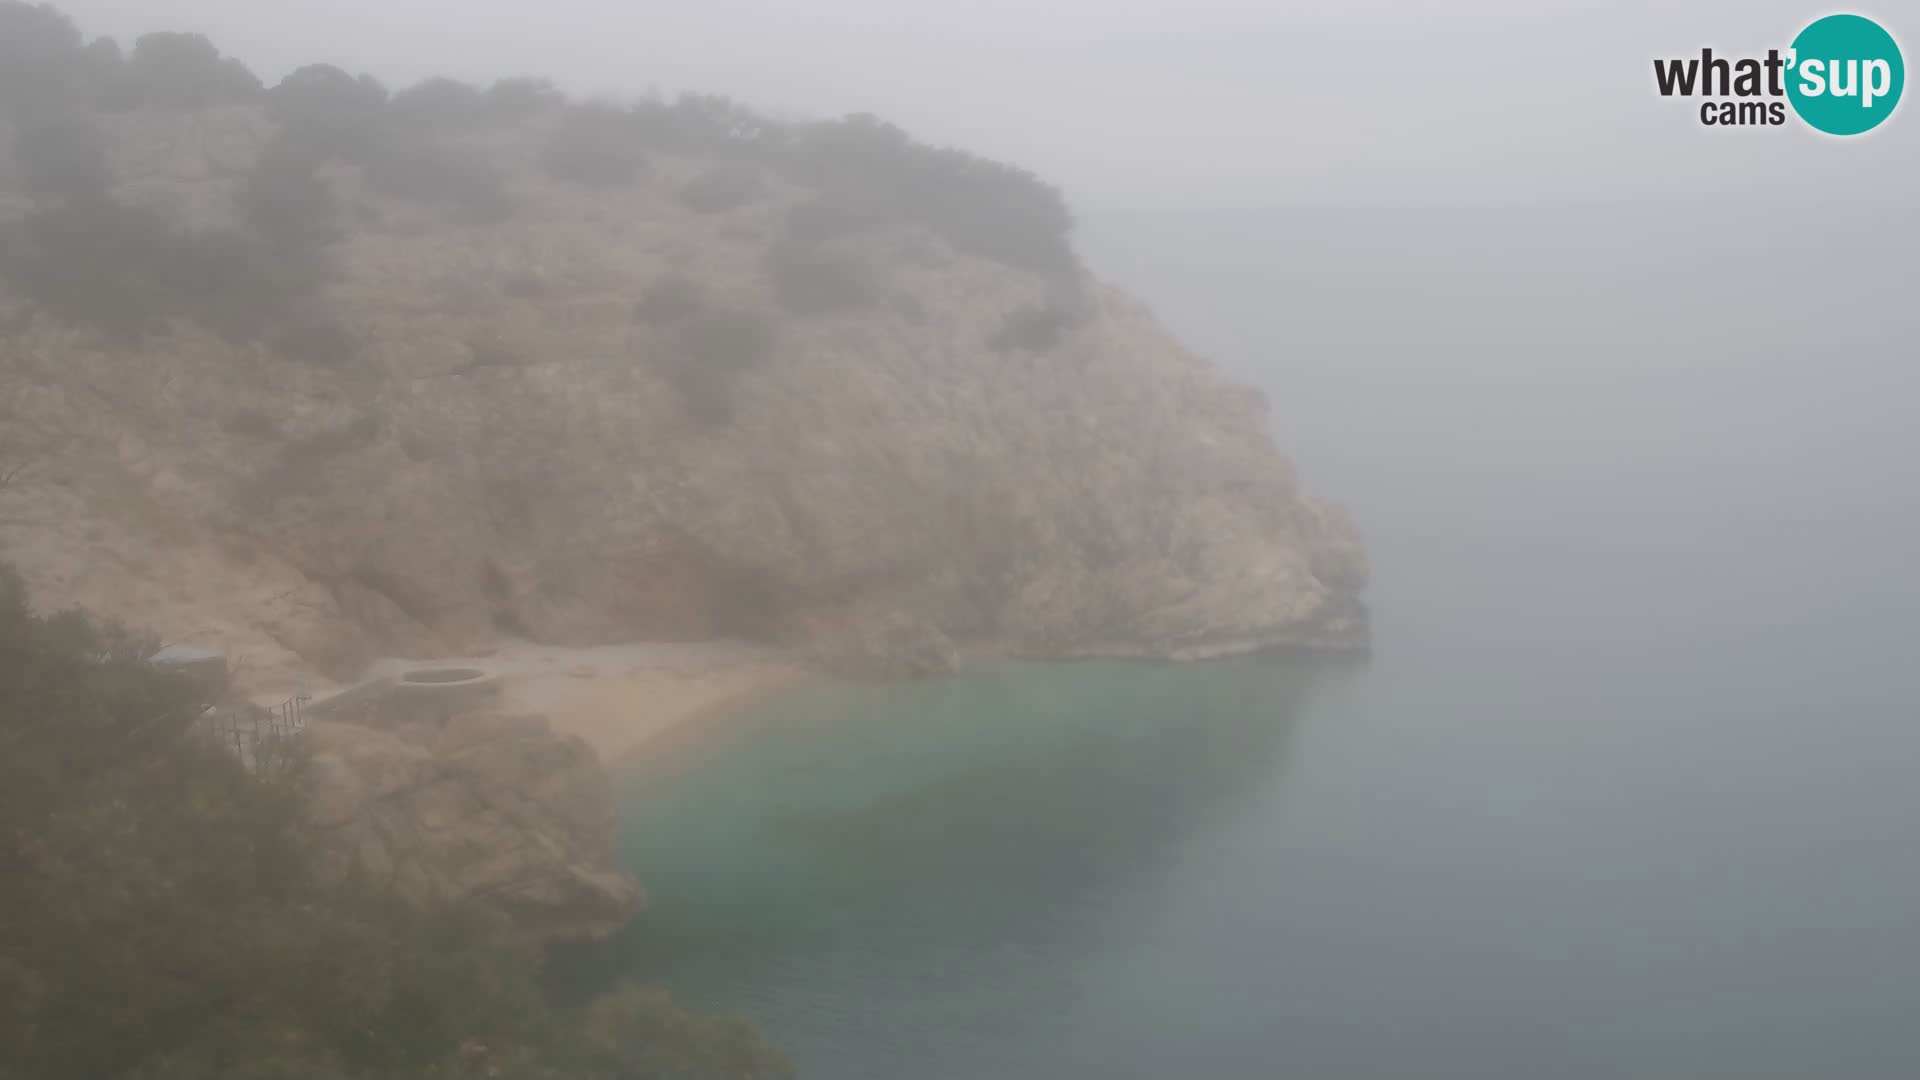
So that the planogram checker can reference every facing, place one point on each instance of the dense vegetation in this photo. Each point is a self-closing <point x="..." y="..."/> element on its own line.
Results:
<point x="131" y="272"/>
<point x="158" y="914"/>
<point x="158" y="917"/>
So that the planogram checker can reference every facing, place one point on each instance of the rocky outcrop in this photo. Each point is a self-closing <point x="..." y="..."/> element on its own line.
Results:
<point x="884" y="645"/>
<point x="472" y="804"/>
<point x="508" y="450"/>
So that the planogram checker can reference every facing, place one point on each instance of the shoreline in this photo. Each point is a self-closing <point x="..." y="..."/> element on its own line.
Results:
<point x="740" y="689"/>
<point x="619" y="698"/>
<point x="623" y="715"/>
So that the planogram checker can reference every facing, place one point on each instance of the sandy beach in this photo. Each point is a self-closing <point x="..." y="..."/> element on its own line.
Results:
<point x="618" y="697"/>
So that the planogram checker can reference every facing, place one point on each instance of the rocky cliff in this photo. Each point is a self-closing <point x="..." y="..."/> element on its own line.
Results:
<point x="472" y="804"/>
<point x="498" y="430"/>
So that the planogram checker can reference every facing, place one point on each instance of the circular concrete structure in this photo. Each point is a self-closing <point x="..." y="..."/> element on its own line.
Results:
<point x="449" y="687"/>
<point x="448" y="677"/>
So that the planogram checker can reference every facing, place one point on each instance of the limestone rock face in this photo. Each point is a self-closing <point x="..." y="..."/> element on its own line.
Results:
<point x="479" y="805"/>
<point x="884" y="645"/>
<point x="500" y="458"/>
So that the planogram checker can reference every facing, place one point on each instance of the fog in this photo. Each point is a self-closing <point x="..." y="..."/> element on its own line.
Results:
<point x="1611" y="775"/>
<point x="1239" y="103"/>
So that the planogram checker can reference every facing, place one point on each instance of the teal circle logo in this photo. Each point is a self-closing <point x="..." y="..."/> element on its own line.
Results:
<point x="1846" y="75"/>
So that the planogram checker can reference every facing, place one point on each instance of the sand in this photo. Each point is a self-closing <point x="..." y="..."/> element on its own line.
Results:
<point x="619" y="697"/>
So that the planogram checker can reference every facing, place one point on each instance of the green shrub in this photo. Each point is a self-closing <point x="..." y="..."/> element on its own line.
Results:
<point x="438" y="105"/>
<point x="710" y="126"/>
<point x="594" y="144"/>
<point x="93" y="261"/>
<point x="327" y="111"/>
<point x="125" y="271"/>
<point x="64" y="157"/>
<point x="285" y="201"/>
<point x="185" y="71"/>
<point x="870" y="171"/>
<point x="235" y="283"/>
<point x="522" y="96"/>
<point x="45" y="73"/>
<point x="103" y="72"/>
<point x="977" y="205"/>
<point x="811" y="280"/>
<point x="722" y="188"/>
<point x="225" y="279"/>
<point x="39" y="60"/>
<point x="162" y="917"/>
<point x="135" y="847"/>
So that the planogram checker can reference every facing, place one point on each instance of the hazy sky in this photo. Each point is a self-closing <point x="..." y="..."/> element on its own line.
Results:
<point x="1154" y="103"/>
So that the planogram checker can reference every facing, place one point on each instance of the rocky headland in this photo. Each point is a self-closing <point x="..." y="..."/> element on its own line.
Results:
<point x="506" y="448"/>
<point x="319" y="375"/>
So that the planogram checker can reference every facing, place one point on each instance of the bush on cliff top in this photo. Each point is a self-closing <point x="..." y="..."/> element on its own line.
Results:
<point x="40" y="60"/>
<point x="439" y="106"/>
<point x="521" y="96"/>
<point x="327" y="112"/>
<point x="46" y="69"/>
<point x="160" y="919"/>
<point x="979" y="206"/>
<point x="184" y="71"/>
<point x="864" y="172"/>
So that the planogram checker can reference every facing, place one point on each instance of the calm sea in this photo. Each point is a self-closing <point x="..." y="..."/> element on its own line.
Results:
<point x="1630" y="789"/>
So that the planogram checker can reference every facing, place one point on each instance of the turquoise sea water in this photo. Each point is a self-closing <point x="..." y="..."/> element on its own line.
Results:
<point x="1629" y="788"/>
<point x="936" y="862"/>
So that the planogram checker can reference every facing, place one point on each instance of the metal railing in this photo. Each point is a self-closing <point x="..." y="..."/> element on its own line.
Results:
<point x="253" y="734"/>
